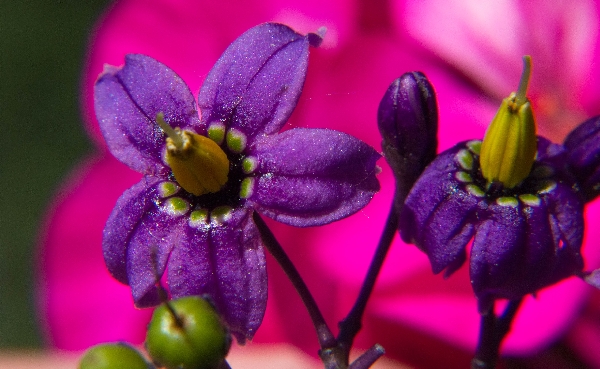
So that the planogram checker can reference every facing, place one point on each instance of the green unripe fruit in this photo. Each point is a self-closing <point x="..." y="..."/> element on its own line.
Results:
<point x="193" y="338"/>
<point x="112" y="356"/>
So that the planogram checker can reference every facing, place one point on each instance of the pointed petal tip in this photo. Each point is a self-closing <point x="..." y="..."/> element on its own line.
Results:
<point x="592" y="278"/>
<point x="316" y="39"/>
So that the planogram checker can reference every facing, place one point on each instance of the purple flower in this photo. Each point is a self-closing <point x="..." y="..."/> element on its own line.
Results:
<point x="202" y="233"/>
<point x="525" y="236"/>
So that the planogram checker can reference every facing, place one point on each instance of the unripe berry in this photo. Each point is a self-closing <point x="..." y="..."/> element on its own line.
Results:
<point x="187" y="334"/>
<point x="112" y="356"/>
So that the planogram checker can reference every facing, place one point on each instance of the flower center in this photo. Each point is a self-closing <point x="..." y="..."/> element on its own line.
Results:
<point x="199" y="165"/>
<point x="510" y="145"/>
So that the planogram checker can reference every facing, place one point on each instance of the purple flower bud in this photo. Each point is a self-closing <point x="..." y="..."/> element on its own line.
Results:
<point x="583" y="146"/>
<point x="408" y="119"/>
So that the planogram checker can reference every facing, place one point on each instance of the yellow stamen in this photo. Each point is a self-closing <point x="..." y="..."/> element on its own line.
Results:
<point x="509" y="147"/>
<point x="199" y="165"/>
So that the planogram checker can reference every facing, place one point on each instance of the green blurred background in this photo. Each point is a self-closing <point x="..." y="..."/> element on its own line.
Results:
<point x="42" y="45"/>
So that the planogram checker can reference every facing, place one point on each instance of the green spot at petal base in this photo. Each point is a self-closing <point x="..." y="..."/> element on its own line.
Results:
<point x="199" y="218"/>
<point x="474" y="146"/>
<point x="167" y="189"/>
<point x="176" y="206"/>
<point x="249" y="164"/>
<point x="475" y="190"/>
<point x="465" y="159"/>
<point x="216" y="132"/>
<point x="221" y="214"/>
<point x="529" y="199"/>
<point x="463" y="177"/>
<point x="236" y="141"/>
<point x="247" y="188"/>
<point x="507" y="201"/>
<point x="546" y="187"/>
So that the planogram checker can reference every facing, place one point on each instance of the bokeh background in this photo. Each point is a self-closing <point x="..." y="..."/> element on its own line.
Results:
<point x="42" y="47"/>
<point x="42" y="50"/>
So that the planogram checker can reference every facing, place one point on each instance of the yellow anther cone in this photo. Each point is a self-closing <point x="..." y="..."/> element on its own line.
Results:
<point x="199" y="165"/>
<point x="510" y="144"/>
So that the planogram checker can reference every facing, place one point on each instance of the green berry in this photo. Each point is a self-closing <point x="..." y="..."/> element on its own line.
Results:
<point x="187" y="334"/>
<point x="112" y="356"/>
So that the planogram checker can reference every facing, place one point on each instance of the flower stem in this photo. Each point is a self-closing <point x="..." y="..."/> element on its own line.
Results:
<point x="326" y="338"/>
<point x="368" y="358"/>
<point x="351" y="325"/>
<point x="492" y="331"/>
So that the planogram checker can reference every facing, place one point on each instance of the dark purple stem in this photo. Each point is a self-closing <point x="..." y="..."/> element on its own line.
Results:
<point x="351" y="325"/>
<point x="368" y="358"/>
<point x="326" y="338"/>
<point x="492" y="331"/>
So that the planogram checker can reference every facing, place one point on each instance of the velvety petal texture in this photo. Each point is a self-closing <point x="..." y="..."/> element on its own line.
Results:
<point x="127" y="101"/>
<point x="524" y="239"/>
<point x="438" y="214"/>
<point x="309" y="177"/>
<point x="123" y="222"/>
<point x="256" y="83"/>
<point x="408" y="121"/>
<point x="228" y="264"/>
<point x="208" y="243"/>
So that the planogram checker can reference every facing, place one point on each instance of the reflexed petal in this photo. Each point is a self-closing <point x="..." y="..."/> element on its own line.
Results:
<point x="498" y="248"/>
<point x="310" y="177"/>
<point x="123" y="221"/>
<point x="448" y="230"/>
<point x="567" y="209"/>
<point x="437" y="214"/>
<point x="522" y="249"/>
<point x="127" y="101"/>
<point x="565" y="206"/>
<point x="256" y="83"/>
<point x="583" y="146"/>
<point x="227" y="262"/>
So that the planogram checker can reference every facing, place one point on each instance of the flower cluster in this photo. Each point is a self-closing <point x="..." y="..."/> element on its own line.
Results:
<point x="525" y="219"/>
<point x="360" y="58"/>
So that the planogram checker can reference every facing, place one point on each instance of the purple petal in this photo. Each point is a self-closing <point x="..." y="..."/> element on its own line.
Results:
<point x="408" y="120"/>
<point x="227" y="262"/>
<point x="583" y="147"/>
<point x="438" y="214"/>
<point x="498" y="248"/>
<point x="308" y="177"/>
<point x="521" y="249"/>
<point x="127" y="101"/>
<point x="566" y="209"/>
<point x="256" y="83"/>
<point x="122" y="223"/>
<point x="148" y="251"/>
<point x="563" y="202"/>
